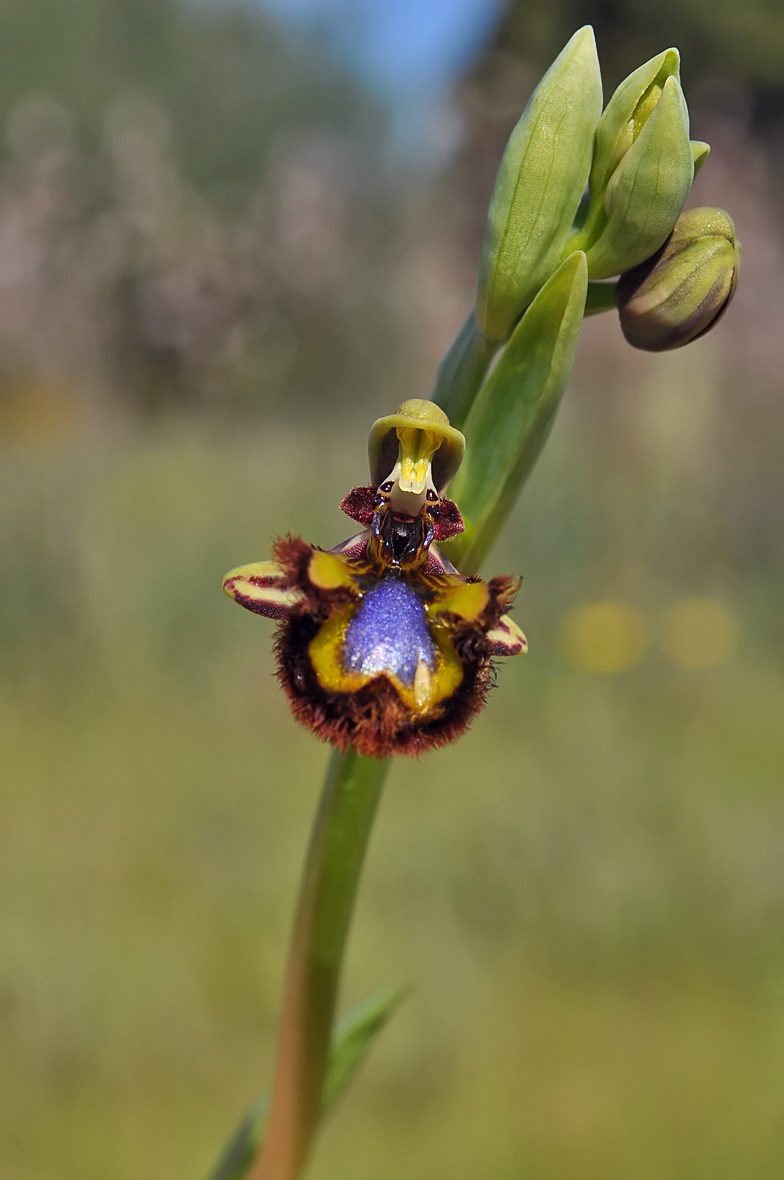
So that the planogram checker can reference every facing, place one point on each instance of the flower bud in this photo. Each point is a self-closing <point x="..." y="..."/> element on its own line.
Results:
<point x="542" y="176"/>
<point x="627" y="112"/>
<point x="647" y="191"/>
<point x="680" y="293"/>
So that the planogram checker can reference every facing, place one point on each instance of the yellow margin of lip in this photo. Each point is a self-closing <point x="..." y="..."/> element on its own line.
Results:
<point x="325" y="651"/>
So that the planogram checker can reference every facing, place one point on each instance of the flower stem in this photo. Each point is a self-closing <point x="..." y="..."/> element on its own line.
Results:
<point x="329" y="884"/>
<point x="601" y="297"/>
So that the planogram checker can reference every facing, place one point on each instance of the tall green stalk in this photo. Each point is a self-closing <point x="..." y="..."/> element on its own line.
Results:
<point x="329" y="884"/>
<point x="353" y="783"/>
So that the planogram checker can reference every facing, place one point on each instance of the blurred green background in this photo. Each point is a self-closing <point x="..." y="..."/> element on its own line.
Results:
<point x="223" y="252"/>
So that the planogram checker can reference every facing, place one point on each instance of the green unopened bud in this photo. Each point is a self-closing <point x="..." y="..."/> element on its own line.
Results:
<point x="627" y="112"/>
<point x="647" y="190"/>
<point x="680" y="293"/>
<point x="542" y="176"/>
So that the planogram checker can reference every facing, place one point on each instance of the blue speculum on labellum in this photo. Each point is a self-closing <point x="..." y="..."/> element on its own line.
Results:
<point x="382" y="645"/>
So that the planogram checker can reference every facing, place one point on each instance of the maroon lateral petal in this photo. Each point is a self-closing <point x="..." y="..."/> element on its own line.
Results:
<point x="449" y="523"/>
<point x="358" y="504"/>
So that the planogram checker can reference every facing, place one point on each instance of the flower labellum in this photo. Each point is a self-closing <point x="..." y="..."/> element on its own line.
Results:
<point x="382" y="646"/>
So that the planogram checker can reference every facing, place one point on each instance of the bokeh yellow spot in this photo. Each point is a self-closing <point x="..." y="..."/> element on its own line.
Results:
<point x="700" y="633"/>
<point x="604" y="637"/>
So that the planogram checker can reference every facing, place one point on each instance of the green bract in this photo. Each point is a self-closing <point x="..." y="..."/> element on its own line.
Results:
<point x="463" y="370"/>
<point x="682" y="291"/>
<point x="647" y="191"/>
<point x="512" y="415"/>
<point x="542" y="176"/>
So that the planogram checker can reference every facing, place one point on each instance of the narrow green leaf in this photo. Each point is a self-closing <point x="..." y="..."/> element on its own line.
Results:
<point x="354" y="1035"/>
<point x="513" y="413"/>
<point x="243" y="1145"/>
<point x="352" y="1038"/>
<point x="538" y="188"/>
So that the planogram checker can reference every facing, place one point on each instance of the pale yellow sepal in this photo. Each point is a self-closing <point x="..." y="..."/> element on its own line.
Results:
<point x="507" y="639"/>
<point x="257" y="587"/>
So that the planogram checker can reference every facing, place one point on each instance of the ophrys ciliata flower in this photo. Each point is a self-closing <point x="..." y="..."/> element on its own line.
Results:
<point x="382" y="645"/>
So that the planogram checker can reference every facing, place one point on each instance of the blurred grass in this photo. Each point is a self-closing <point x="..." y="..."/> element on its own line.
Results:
<point x="587" y="892"/>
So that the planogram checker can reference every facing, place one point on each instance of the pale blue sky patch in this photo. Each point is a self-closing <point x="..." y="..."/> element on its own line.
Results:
<point x="407" y="52"/>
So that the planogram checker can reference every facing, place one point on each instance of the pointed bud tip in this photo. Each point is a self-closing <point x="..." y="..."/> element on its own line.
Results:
<point x="671" y="60"/>
<point x="580" y="50"/>
<point x="672" y="92"/>
<point x="584" y="35"/>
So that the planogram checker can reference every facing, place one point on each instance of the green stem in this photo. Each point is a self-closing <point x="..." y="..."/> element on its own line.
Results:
<point x="329" y="884"/>
<point x="590" y="230"/>
<point x="462" y="371"/>
<point x="601" y="297"/>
